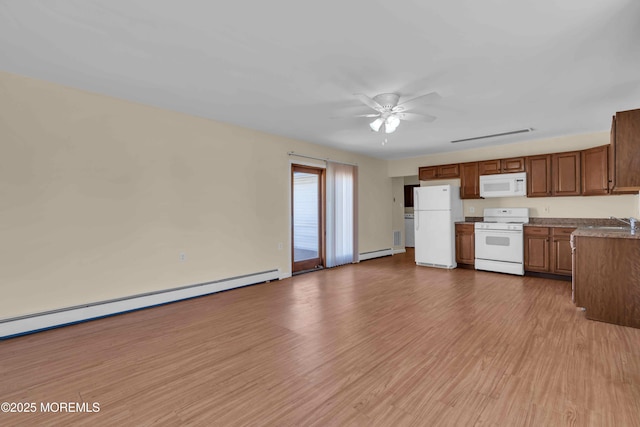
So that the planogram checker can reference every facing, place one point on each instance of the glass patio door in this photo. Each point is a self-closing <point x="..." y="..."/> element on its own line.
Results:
<point x="307" y="194"/>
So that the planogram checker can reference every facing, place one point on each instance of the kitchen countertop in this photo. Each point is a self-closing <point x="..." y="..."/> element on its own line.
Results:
<point x="599" y="232"/>
<point x="557" y="222"/>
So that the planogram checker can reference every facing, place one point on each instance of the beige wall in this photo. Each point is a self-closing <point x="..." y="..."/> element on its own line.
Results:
<point x="99" y="196"/>
<point x="549" y="207"/>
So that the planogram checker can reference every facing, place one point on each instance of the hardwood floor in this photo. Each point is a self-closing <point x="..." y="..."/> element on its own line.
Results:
<point x="382" y="342"/>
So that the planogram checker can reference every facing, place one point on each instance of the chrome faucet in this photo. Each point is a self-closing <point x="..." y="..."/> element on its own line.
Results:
<point x="631" y="222"/>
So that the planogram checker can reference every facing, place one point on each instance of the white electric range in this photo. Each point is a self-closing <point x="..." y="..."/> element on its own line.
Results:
<point x="499" y="240"/>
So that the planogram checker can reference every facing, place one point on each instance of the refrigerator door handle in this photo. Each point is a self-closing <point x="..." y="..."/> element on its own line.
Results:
<point x="417" y="221"/>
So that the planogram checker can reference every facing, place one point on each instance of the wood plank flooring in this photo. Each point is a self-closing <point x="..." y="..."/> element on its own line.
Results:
<point x="380" y="343"/>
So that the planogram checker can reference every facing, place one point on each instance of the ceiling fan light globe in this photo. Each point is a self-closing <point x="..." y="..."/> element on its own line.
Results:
<point x="375" y="125"/>
<point x="391" y="124"/>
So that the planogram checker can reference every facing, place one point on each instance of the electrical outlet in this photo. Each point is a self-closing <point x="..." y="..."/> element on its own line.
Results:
<point x="280" y="246"/>
<point x="472" y="209"/>
<point x="546" y="209"/>
<point x="183" y="256"/>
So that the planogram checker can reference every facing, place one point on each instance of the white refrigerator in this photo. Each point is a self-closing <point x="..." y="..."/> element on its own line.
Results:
<point x="436" y="209"/>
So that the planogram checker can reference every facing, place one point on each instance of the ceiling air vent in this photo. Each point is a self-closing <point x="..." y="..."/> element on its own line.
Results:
<point x="513" y="132"/>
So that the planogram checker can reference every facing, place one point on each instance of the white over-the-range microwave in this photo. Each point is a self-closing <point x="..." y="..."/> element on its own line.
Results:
<point x="503" y="185"/>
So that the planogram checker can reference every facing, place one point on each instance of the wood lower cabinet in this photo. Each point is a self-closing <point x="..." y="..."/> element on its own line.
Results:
<point x="548" y="249"/>
<point x="465" y="244"/>
<point x="626" y="151"/>
<point x="606" y="279"/>
<point x="595" y="171"/>
<point x="560" y="261"/>
<point x="565" y="174"/>
<point x="539" y="176"/>
<point x="536" y="249"/>
<point x="469" y="181"/>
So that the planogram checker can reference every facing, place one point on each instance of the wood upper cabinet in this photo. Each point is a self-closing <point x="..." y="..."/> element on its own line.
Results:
<point x="489" y="167"/>
<point x="595" y="171"/>
<point x="565" y="173"/>
<point x="469" y="181"/>
<point x="439" y="172"/>
<point x="512" y="165"/>
<point x="427" y="173"/>
<point x="536" y="249"/>
<point x="465" y="244"/>
<point x="449" y="171"/>
<point x="561" y="250"/>
<point x="626" y="151"/>
<point x="539" y="176"/>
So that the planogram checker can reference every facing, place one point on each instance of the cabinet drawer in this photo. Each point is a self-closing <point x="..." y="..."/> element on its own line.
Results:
<point x="561" y="231"/>
<point x="537" y="231"/>
<point x="465" y="228"/>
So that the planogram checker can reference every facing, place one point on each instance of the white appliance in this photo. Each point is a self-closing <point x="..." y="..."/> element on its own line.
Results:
<point x="503" y="185"/>
<point x="499" y="240"/>
<point x="436" y="209"/>
<point x="409" y="234"/>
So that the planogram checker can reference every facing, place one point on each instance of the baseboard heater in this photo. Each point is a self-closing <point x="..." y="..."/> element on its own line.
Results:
<point x="31" y="323"/>
<point x="375" y="254"/>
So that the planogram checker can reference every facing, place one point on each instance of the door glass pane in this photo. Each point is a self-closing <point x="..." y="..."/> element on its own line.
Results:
<point x="305" y="216"/>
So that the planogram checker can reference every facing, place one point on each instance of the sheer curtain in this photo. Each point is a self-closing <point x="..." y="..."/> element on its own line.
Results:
<point x="342" y="223"/>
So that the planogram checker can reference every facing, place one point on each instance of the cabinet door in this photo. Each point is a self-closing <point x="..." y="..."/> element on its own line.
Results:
<point x="408" y="195"/>
<point x="469" y="181"/>
<point x="561" y="251"/>
<point x="449" y="171"/>
<point x="595" y="171"/>
<point x="539" y="176"/>
<point x="565" y="172"/>
<point x="626" y="151"/>
<point x="489" y="167"/>
<point x="513" y="165"/>
<point x="536" y="249"/>
<point x="465" y="244"/>
<point x="427" y="173"/>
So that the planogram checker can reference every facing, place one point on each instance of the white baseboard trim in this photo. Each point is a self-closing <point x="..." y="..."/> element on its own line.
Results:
<point x="65" y="316"/>
<point x="375" y="254"/>
<point x="398" y="251"/>
<point x="285" y="276"/>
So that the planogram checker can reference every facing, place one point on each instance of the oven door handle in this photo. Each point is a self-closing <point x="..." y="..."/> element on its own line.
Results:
<point x="512" y="232"/>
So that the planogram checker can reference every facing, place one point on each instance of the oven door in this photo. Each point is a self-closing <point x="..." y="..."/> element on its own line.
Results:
<point x="499" y="245"/>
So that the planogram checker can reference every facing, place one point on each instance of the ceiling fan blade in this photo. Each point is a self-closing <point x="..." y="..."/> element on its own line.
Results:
<point x="369" y="102"/>
<point x="415" y="117"/>
<point x="422" y="99"/>
<point x="367" y="115"/>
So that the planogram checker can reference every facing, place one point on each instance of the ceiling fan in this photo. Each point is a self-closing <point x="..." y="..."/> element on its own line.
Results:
<point x="389" y="112"/>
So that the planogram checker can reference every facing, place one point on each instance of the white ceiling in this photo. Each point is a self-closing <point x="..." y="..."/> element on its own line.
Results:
<point x="291" y="67"/>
